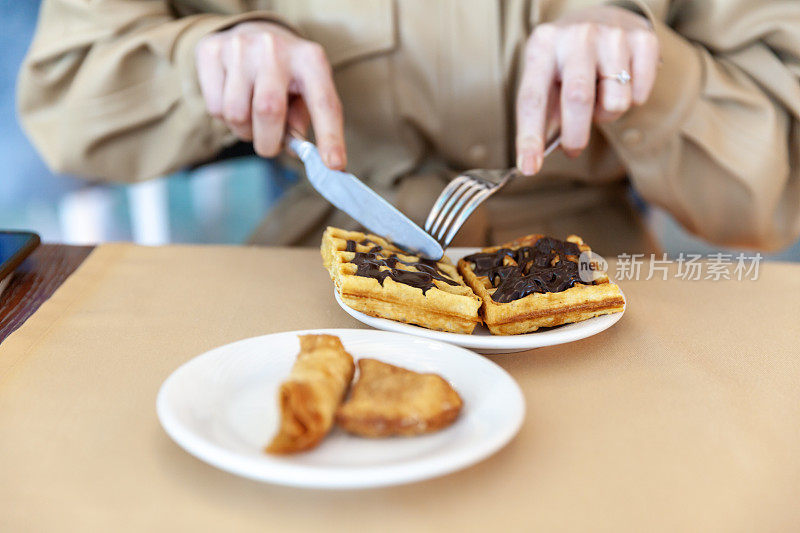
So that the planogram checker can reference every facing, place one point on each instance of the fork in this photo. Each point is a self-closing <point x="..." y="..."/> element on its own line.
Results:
<point x="466" y="192"/>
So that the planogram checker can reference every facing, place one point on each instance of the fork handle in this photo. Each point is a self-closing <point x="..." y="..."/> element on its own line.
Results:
<point x="553" y="142"/>
<point x="292" y="134"/>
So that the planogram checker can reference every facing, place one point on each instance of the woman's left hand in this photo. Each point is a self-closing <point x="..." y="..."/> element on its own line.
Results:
<point x="591" y="64"/>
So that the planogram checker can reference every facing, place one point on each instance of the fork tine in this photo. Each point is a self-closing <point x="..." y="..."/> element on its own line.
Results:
<point x="465" y="213"/>
<point x="455" y="207"/>
<point x="475" y="189"/>
<point x="445" y="199"/>
<point x="465" y="189"/>
<point x="465" y="193"/>
<point x="440" y="201"/>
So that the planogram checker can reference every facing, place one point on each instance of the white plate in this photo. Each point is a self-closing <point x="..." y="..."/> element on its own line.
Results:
<point x="222" y="408"/>
<point x="481" y="340"/>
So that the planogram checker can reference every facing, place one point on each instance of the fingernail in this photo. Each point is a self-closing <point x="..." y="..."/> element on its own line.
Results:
<point x="527" y="164"/>
<point x="537" y="163"/>
<point x="335" y="158"/>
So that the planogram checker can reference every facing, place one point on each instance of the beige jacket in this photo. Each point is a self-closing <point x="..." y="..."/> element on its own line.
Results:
<point x="109" y="91"/>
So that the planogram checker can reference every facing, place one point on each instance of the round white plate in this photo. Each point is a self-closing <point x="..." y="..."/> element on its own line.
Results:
<point x="481" y="340"/>
<point x="222" y="408"/>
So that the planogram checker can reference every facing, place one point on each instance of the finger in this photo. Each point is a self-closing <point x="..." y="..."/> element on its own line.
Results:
<point x="532" y="100"/>
<point x="553" y="127"/>
<point x="310" y="66"/>
<point x="269" y="114"/>
<point x="211" y="74"/>
<point x="613" y="57"/>
<point x="578" y="79"/>
<point x="238" y="91"/>
<point x="270" y="99"/>
<point x="297" y="116"/>
<point x="644" y="63"/>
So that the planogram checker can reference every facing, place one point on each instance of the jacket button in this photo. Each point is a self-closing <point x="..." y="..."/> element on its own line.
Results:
<point x="477" y="154"/>
<point x="631" y="137"/>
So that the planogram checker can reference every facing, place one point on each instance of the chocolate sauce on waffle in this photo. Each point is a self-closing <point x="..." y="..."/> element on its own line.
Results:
<point x="351" y="245"/>
<point x="370" y="266"/>
<point x="550" y="265"/>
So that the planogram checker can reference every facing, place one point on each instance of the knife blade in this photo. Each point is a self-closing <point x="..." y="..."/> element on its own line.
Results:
<point x="355" y="198"/>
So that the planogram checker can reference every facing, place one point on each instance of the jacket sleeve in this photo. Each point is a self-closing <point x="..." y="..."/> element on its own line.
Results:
<point x="718" y="142"/>
<point x="108" y="89"/>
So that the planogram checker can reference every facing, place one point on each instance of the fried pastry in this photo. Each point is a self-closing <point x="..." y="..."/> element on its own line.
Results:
<point x="379" y="279"/>
<point x="389" y="400"/>
<point x="311" y="394"/>
<point x="534" y="282"/>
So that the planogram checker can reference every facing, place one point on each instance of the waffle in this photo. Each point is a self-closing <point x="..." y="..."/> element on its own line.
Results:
<point x="379" y="279"/>
<point x="389" y="400"/>
<point x="533" y="282"/>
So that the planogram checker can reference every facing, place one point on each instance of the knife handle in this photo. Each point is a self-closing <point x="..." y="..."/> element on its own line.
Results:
<point x="292" y="140"/>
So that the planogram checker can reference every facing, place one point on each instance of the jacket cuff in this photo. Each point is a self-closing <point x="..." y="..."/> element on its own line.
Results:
<point x="637" y="6"/>
<point x="640" y="135"/>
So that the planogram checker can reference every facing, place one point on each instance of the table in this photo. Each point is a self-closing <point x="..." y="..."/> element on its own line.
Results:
<point x="35" y="280"/>
<point x="684" y="416"/>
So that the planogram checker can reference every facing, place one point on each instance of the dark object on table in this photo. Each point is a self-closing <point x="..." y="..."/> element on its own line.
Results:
<point x="36" y="279"/>
<point x="15" y="246"/>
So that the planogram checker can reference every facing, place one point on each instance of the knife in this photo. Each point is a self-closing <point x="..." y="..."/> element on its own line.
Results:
<point x="352" y="196"/>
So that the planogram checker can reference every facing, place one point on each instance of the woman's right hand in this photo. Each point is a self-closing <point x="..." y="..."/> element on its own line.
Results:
<point x="259" y="76"/>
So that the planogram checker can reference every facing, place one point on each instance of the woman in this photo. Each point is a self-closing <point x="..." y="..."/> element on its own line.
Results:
<point x="697" y="104"/>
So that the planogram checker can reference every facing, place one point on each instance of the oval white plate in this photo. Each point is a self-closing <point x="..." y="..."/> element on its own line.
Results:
<point x="222" y="408"/>
<point x="481" y="340"/>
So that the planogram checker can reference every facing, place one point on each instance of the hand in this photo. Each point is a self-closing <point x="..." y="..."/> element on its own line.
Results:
<point x="568" y="73"/>
<point x="259" y="76"/>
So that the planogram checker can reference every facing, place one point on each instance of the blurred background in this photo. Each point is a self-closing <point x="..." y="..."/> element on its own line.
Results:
<point x="218" y="203"/>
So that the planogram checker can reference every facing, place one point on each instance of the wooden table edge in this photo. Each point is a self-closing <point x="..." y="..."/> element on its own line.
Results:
<point x="35" y="280"/>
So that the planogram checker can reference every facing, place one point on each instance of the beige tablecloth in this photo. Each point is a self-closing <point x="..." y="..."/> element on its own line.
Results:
<point x="685" y="416"/>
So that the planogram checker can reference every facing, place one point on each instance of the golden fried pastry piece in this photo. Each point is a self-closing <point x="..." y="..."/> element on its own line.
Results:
<point x="534" y="282"/>
<point x="375" y="277"/>
<point x="311" y="394"/>
<point x="388" y="400"/>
